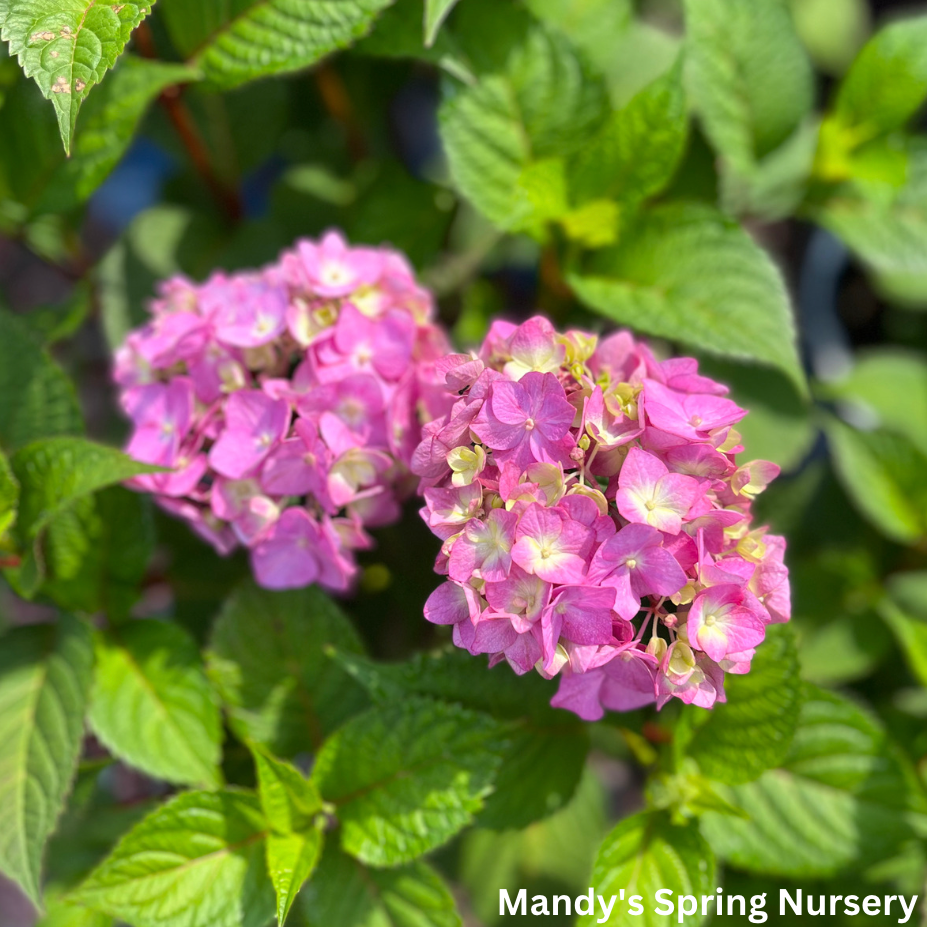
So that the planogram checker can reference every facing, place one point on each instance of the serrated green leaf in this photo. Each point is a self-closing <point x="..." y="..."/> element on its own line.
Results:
<point x="197" y="861"/>
<point x="9" y="495"/>
<point x="905" y="612"/>
<point x="266" y="658"/>
<point x="645" y="853"/>
<point x="98" y="553"/>
<point x="436" y="11"/>
<point x="152" y="705"/>
<point x="345" y="893"/>
<point x="407" y="777"/>
<point x="638" y="149"/>
<point x="234" y="44"/>
<point x="688" y="273"/>
<point x="882" y="472"/>
<point x="543" y="104"/>
<point x="753" y="730"/>
<point x="452" y="675"/>
<point x="36" y="397"/>
<point x="290" y="801"/>
<point x="291" y="859"/>
<point x="68" y="46"/>
<point x="107" y="128"/>
<point x="44" y="680"/>
<point x="839" y="801"/>
<point x="887" y="82"/>
<point x="748" y="76"/>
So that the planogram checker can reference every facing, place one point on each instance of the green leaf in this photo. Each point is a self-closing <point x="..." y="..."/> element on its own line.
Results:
<point x="346" y="894"/>
<point x="748" y="75"/>
<point x="840" y="799"/>
<point x="196" y="861"/>
<point x="100" y="565"/>
<point x="152" y="705"/>
<point x="452" y="675"/>
<point x="36" y="397"/>
<point x="436" y="11"/>
<point x="234" y="44"/>
<point x="885" y="226"/>
<point x="753" y="731"/>
<point x="905" y="612"/>
<point x="68" y="46"/>
<point x="888" y="385"/>
<point x="689" y="274"/>
<point x="539" y="774"/>
<point x="107" y="128"/>
<point x="266" y="659"/>
<point x="882" y="473"/>
<point x="548" y="857"/>
<point x="57" y="477"/>
<point x="887" y="82"/>
<point x="60" y="914"/>
<point x="645" y="853"/>
<point x="833" y="31"/>
<point x="9" y="495"/>
<point x="639" y="148"/>
<point x="544" y="104"/>
<point x="44" y="680"/>
<point x="407" y="777"/>
<point x="290" y="801"/>
<point x="291" y="804"/>
<point x="291" y="859"/>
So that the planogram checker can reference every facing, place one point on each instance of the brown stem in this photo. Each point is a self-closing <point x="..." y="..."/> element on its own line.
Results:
<point x="338" y="104"/>
<point x="184" y="125"/>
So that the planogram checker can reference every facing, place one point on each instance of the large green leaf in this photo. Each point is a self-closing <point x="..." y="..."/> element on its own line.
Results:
<point x="688" y="273"/>
<point x="345" y="893"/>
<point x="233" y="43"/>
<point x="60" y="914"/>
<point x="407" y="777"/>
<point x="749" y="77"/>
<point x="637" y="151"/>
<point x="544" y="760"/>
<point x="108" y="125"/>
<point x="44" y="680"/>
<point x="36" y="398"/>
<point x="152" y="705"/>
<point x="753" y="730"/>
<point x="436" y="11"/>
<point x="646" y="853"/>
<point x="197" y="861"/>
<point x="67" y="46"/>
<point x="905" y="612"/>
<point x="543" y="104"/>
<point x="840" y="799"/>
<point x="267" y="660"/>
<point x="882" y="472"/>
<point x="887" y="82"/>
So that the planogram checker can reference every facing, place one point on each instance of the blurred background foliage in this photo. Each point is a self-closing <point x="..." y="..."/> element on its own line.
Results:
<point x="552" y="155"/>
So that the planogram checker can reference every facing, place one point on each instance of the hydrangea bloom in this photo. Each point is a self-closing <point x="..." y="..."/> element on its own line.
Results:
<point x="287" y="404"/>
<point x="595" y="522"/>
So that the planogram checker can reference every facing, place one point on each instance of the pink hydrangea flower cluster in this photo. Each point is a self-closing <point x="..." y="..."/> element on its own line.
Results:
<point x="595" y="521"/>
<point x="287" y="404"/>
